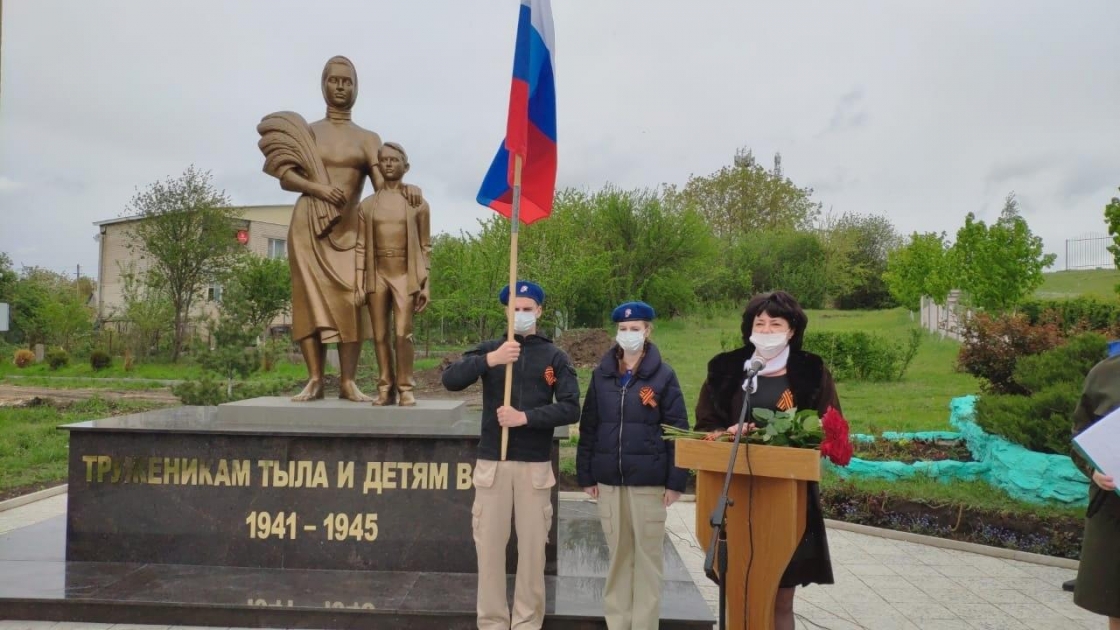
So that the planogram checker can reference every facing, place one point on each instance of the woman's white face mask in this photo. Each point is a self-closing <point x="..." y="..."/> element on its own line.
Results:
<point x="770" y="335"/>
<point x="769" y="345"/>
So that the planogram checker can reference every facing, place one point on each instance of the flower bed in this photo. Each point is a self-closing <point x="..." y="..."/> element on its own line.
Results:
<point x="1053" y="535"/>
<point x="911" y="450"/>
<point x="1023" y="474"/>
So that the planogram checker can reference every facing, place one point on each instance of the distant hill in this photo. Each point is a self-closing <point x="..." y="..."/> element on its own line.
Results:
<point x="1094" y="282"/>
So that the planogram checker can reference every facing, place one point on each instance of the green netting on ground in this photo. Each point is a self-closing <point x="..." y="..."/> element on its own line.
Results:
<point x="1022" y="473"/>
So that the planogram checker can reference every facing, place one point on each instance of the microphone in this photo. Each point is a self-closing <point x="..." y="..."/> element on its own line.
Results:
<point x="752" y="368"/>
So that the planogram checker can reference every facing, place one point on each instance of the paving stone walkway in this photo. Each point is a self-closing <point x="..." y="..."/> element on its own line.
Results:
<point x="882" y="584"/>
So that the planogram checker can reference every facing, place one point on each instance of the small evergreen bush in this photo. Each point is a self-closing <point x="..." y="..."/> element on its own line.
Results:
<point x="99" y="360"/>
<point x="58" y="359"/>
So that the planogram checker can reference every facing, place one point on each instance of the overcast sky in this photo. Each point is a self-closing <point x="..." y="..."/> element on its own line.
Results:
<point x="920" y="112"/>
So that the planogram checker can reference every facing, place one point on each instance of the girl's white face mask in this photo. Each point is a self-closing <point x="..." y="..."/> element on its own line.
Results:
<point x="630" y="340"/>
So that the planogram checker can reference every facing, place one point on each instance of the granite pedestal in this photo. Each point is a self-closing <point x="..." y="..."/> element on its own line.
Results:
<point x="249" y="515"/>
<point x="271" y="483"/>
<point x="37" y="583"/>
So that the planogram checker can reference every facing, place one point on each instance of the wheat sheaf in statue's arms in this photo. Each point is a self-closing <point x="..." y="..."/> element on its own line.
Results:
<point x="796" y="429"/>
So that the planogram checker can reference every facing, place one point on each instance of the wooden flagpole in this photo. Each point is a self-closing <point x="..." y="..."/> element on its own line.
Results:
<point x="514" y="224"/>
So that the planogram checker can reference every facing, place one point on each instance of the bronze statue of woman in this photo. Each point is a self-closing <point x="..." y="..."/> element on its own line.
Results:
<point x="327" y="162"/>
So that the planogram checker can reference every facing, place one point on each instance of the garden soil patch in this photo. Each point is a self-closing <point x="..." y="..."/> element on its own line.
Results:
<point x="585" y="346"/>
<point x="11" y="395"/>
<point x="1052" y="535"/>
<point x="910" y="451"/>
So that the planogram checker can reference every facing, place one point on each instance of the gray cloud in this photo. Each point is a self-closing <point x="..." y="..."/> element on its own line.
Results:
<point x="100" y="98"/>
<point x="1007" y="171"/>
<point x="849" y="112"/>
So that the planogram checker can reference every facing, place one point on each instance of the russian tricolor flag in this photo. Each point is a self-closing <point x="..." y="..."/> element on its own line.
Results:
<point x="531" y="127"/>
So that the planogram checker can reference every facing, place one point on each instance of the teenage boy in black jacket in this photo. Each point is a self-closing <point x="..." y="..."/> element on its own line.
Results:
<point x="545" y="396"/>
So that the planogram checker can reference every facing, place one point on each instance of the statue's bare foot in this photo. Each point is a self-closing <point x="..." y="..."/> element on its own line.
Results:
<point x="407" y="399"/>
<point x="348" y="390"/>
<point x="312" y="391"/>
<point x="385" y="398"/>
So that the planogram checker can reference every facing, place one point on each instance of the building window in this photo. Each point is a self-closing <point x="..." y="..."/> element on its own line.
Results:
<point x="214" y="293"/>
<point x="277" y="248"/>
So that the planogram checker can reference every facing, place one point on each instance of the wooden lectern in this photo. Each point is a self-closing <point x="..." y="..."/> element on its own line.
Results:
<point x="780" y="478"/>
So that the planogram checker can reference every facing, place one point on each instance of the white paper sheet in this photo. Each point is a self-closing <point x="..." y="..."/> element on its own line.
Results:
<point x="1100" y="444"/>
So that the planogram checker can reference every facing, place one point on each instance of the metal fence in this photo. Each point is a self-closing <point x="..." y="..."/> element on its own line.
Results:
<point x="944" y="319"/>
<point x="1089" y="251"/>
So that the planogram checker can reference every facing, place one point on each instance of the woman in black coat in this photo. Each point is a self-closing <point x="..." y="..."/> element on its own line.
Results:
<point x="623" y="461"/>
<point x="773" y="328"/>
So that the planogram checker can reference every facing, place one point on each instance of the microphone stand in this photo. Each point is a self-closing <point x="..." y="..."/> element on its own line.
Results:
<point x="717" y="546"/>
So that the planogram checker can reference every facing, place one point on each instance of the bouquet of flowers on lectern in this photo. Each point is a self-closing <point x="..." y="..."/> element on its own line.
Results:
<point x="792" y="428"/>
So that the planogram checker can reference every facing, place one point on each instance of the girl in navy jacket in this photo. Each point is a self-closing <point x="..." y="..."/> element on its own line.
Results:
<point x="623" y="461"/>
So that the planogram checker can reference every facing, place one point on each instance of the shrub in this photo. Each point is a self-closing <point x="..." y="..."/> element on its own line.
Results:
<point x="23" y="358"/>
<point x="993" y="344"/>
<point x="1065" y="364"/>
<point x="1076" y="314"/>
<point x="99" y="360"/>
<point x="862" y="356"/>
<point x="58" y="358"/>
<point x="1040" y="422"/>
<point x="271" y="352"/>
<point x="208" y="391"/>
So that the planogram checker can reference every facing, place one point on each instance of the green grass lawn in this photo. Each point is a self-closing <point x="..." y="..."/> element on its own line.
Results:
<point x="33" y="450"/>
<point x="1089" y="282"/>
<point x="918" y="402"/>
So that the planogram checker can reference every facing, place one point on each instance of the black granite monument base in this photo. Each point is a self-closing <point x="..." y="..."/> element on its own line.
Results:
<point x="266" y="513"/>
<point x="37" y="583"/>
<point x="267" y="483"/>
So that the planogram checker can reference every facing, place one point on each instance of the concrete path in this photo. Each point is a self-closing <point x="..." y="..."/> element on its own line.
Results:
<point x="882" y="584"/>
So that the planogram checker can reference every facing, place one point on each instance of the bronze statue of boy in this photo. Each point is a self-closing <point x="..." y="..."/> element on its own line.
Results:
<point x="397" y="255"/>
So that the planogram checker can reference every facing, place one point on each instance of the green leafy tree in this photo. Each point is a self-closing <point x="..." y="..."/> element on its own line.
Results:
<point x="9" y="280"/>
<point x="861" y="245"/>
<point x="744" y="197"/>
<point x="49" y="308"/>
<point x="256" y="290"/>
<point x="919" y="268"/>
<point x="147" y="311"/>
<point x="652" y="245"/>
<point x="1112" y="218"/>
<point x="467" y="272"/>
<point x="68" y="318"/>
<point x="185" y="234"/>
<point x="234" y="353"/>
<point x="564" y="254"/>
<point x="789" y="260"/>
<point x="999" y="265"/>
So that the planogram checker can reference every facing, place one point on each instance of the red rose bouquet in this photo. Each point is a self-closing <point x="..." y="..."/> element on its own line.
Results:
<point x="836" y="445"/>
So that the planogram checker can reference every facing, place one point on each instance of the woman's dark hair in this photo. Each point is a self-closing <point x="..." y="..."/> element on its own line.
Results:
<point x="776" y="304"/>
